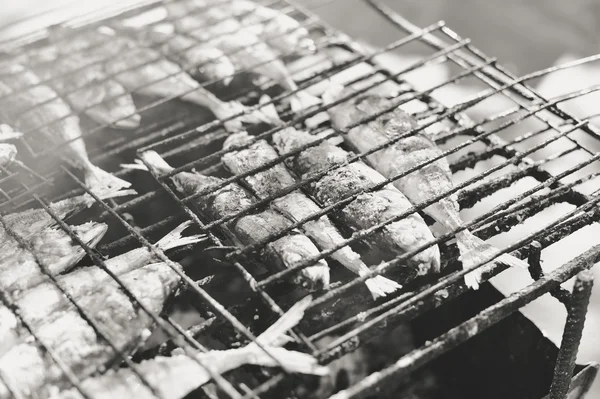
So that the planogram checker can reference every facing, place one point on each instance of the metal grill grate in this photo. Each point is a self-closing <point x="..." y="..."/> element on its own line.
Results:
<point x="183" y="136"/>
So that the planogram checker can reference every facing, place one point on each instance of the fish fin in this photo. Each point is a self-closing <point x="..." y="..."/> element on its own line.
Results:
<point x="174" y="238"/>
<point x="291" y="361"/>
<point x="156" y="162"/>
<point x="137" y="165"/>
<point x="332" y="93"/>
<point x="8" y="133"/>
<point x="474" y="251"/>
<point x="274" y="335"/>
<point x="99" y="180"/>
<point x="303" y="100"/>
<point x="380" y="286"/>
<point x="269" y="111"/>
<point x="107" y="193"/>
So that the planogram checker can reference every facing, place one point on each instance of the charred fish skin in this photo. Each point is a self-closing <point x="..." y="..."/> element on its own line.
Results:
<point x="245" y="49"/>
<point x="200" y="60"/>
<point x="285" y="252"/>
<point x="82" y="82"/>
<point x="36" y="108"/>
<point x="19" y="269"/>
<point x="76" y="342"/>
<point x="421" y="185"/>
<point x="295" y="205"/>
<point x="369" y="208"/>
<point x="176" y="376"/>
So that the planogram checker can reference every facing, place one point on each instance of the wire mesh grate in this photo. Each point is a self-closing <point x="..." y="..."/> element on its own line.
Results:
<point x="189" y="141"/>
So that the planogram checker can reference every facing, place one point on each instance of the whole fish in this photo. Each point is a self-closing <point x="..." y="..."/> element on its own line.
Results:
<point x="35" y="108"/>
<point x="421" y="185"/>
<point x="83" y="83"/>
<point x="246" y="50"/>
<point x="200" y="60"/>
<point x="295" y="205"/>
<point x="41" y="301"/>
<point x="25" y="368"/>
<point x="368" y="209"/>
<point x="31" y="221"/>
<point x="53" y="247"/>
<point x="8" y="153"/>
<point x="285" y="252"/>
<point x="144" y="70"/>
<point x="176" y="376"/>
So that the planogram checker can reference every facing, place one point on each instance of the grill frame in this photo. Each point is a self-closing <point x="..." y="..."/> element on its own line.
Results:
<point x="513" y="85"/>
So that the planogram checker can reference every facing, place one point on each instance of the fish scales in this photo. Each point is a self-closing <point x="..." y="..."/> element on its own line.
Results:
<point x="36" y="109"/>
<point x="82" y="81"/>
<point x="368" y="208"/>
<point x="76" y="342"/>
<point x="422" y="185"/>
<point x="295" y="205"/>
<point x="284" y="252"/>
<point x="245" y="49"/>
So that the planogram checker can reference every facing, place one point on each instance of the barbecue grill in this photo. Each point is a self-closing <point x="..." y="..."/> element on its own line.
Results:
<point x="435" y="338"/>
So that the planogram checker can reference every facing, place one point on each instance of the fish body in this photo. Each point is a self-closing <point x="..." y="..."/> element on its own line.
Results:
<point x="176" y="376"/>
<point x="53" y="247"/>
<point x="282" y="253"/>
<point x="369" y="208"/>
<point x="421" y="185"/>
<point x="277" y="29"/>
<point x="245" y="49"/>
<point x="83" y="83"/>
<point x="295" y="205"/>
<point x="26" y="369"/>
<point x="144" y="70"/>
<point x="31" y="221"/>
<point x="202" y="60"/>
<point x="35" y="108"/>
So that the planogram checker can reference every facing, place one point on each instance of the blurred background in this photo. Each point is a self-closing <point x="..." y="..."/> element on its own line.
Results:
<point x="524" y="35"/>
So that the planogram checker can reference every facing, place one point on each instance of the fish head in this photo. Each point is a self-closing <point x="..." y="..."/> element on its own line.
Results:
<point x="8" y="153"/>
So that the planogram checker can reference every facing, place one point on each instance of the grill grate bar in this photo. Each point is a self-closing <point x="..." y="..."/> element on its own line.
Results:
<point x="90" y="320"/>
<point x="475" y="325"/>
<point x="489" y="76"/>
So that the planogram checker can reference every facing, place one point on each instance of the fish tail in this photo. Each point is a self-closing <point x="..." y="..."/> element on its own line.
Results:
<point x="275" y="334"/>
<point x="106" y="193"/>
<point x="474" y="250"/>
<point x="290" y="361"/>
<point x="380" y="286"/>
<point x="99" y="180"/>
<point x="174" y="238"/>
<point x="156" y="162"/>
<point x="303" y="100"/>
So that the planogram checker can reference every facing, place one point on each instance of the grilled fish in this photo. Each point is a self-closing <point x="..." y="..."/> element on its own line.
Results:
<point x="144" y="70"/>
<point x="83" y="83"/>
<point x="53" y="247"/>
<point x="200" y="60"/>
<point x="176" y="376"/>
<point x="30" y="222"/>
<point x="36" y="108"/>
<point x="25" y="368"/>
<point x="368" y="209"/>
<point x="277" y="29"/>
<point x="421" y="185"/>
<point x="8" y="153"/>
<point x="295" y="205"/>
<point x="285" y="252"/>
<point x="41" y="301"/>
<point x="246" y="50"/>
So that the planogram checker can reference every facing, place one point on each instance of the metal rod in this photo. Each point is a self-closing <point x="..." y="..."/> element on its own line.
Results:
<point x="473" y="326"/>
<point x="576" y="312"/>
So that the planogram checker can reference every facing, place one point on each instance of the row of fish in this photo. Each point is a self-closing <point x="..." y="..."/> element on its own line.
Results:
<point x="95" y="72"/>
<point x="49" y="321"/>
